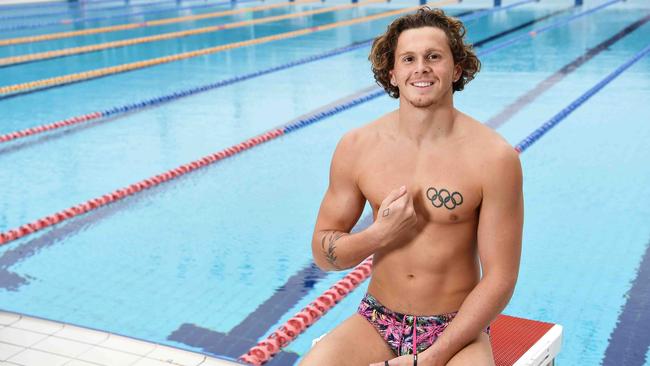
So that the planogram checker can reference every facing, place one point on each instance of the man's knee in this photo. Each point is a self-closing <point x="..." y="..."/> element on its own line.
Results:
<point x="354" y="342"/>
<point x="477" y="353"/>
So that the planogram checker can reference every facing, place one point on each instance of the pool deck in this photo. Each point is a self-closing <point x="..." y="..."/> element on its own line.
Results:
<point x="28" y="341"/>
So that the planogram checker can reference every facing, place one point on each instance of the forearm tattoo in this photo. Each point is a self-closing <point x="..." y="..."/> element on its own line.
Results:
<point x="442" y="197"/>
<point x="330" y="239"/>
<point x="386" y="212"/>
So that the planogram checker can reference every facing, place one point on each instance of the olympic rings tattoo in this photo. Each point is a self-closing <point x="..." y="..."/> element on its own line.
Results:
<point x="444" y="198"/>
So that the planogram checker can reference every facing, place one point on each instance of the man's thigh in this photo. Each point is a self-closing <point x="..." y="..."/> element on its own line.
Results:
<point x="355" y="342"/>
<point x="477" y="353"/>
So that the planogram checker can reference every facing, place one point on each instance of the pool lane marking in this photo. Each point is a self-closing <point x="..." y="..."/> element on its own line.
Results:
<point x="82" y="208"/>
<point x="105" y="9"/>
<point x="560" y="116"/>
<point x="280" y="333"/>
<point x="53" y="3"/>
<point x="40" y="56"/>
<point x="115" y="111"/>
<point x="558" y="76"/>
<point x="630" y="339"/>
<point x="148" y="23"/>
<point x="538" y="31"/>
<point x="107" y="17"/>
<point x="17" y="89"/>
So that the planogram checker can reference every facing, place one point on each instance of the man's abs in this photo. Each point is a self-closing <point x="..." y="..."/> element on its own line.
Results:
<point x="426" y="276"/>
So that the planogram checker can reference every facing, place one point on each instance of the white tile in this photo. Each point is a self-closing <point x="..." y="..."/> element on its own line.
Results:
<point x="151" y="362"/>
<point x="8" y="318"/>
<point x="8" y="350"/>
<point x="37" y="325"/>
<point x="31" y="357"/>
<point x="81" y="334"/>
<point x="168" y="354"/>
<point x="129" y="345"/>
<point x="108" y="357"/>
<point x="79" y="363"/>
<point x="62" y="346"/>
<point x="217" y="362"/>
<point x="20" y="337"/>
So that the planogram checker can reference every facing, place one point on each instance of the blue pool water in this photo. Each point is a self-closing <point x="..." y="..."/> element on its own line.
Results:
<point x="210" y="248"/>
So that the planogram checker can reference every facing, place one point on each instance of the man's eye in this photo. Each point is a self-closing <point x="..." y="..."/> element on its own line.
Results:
<point x="434" y="56"/>
<point x="408" y="59"/>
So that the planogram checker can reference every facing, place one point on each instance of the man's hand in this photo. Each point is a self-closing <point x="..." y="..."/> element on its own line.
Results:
<point x="395" y="217"/>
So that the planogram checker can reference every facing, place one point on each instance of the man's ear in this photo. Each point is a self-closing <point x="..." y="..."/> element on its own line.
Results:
<point x="393" y="82"/>
<point x="458" y="72"/>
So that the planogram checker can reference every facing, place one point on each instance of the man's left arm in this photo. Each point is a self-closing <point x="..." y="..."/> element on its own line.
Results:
<point x="499" y="247"/>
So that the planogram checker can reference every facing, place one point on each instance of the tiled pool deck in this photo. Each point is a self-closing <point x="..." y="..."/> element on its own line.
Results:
<point x="28" y="341"/>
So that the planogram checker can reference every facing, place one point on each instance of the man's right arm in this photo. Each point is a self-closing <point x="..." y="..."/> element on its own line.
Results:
<point x="333" y="247"/>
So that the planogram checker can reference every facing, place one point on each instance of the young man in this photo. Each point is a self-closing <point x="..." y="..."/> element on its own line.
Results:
<point x="446" y="194"/>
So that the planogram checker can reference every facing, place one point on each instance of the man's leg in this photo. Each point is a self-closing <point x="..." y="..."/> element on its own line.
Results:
<point x="477" y="353"/>
<point x="354" y="342"/>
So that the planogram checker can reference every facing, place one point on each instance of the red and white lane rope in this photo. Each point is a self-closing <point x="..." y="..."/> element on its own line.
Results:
<point x="286" y="333"/>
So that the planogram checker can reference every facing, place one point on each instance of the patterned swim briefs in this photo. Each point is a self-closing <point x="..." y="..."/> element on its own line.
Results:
<point x="397" y="328"/>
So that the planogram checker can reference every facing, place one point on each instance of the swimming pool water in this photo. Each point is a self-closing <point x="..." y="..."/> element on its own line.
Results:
<point x="209" y="248"/>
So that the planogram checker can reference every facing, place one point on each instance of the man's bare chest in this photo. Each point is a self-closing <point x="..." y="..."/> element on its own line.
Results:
<point x="445" y="189"/>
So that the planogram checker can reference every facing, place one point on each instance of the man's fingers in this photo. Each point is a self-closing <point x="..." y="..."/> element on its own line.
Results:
<point x="394" y="195"/>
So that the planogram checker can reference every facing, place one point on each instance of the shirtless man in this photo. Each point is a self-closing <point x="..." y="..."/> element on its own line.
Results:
<point x="446" y="195"/>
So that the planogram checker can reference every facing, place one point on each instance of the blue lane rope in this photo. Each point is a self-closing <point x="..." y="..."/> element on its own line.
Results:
<point x="317" y="116"/>
<point x="555" y="120"/>
<point x="488" y="11"/>
<point x="130" y="15"/>
<point x="553" y="25"/>
<point x="232" y="80"/>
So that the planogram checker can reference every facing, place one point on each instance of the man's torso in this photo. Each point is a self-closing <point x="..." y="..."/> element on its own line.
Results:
<point x="436" y="266"/>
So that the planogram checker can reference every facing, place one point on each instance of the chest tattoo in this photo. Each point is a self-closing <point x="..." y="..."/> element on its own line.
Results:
<point x="443" y="197"/>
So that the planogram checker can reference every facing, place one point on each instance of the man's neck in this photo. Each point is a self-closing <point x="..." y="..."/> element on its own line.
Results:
<point x="434" y="123"/>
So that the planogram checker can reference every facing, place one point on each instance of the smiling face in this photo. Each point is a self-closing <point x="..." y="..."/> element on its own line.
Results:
<point x="424" y="68"/>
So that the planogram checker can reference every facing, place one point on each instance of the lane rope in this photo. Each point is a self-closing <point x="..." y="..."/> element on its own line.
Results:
<point x="293" y="327"/>
<point x="26" y="229"/>
<point x="85" y="9"/>
<point x="290" y="330"/>
<point x="96" y="73"/>
<point x="82" y="208"/>
<point x="148" y="23"/>
<point x="70" y="21"/>
<point x="49" y="4"/>
<point x="15" y="60"/>
<point x="31" y="131"/>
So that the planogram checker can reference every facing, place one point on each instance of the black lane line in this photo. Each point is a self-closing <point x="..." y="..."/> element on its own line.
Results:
<point x="245" y="335"/>
<point x="629" y="341"/>
<point x="521" y="26"/>
<point x="550" y="81"/>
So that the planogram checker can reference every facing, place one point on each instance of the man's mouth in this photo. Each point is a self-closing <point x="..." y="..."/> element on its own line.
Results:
<point x="422" y="84"/>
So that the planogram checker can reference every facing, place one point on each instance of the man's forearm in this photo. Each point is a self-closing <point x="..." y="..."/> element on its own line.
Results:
<point x="481" y="306"/>
<point x="339" y="250"/>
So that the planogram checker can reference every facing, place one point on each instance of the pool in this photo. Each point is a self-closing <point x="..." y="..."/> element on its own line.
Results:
<point x="224" y="252"/>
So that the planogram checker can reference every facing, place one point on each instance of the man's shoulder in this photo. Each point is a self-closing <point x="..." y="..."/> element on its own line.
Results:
<point x="366" y="135"/>
<point x="487" y="143"/>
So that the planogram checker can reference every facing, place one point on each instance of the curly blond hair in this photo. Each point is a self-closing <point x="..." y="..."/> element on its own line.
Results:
<point x="382" y="55"/>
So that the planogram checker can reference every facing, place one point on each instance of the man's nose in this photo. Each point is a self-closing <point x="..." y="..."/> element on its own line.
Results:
<point x="422" y="66"/>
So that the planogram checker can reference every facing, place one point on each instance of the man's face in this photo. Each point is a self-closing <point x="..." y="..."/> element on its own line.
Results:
<point x="424" y="67"/>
